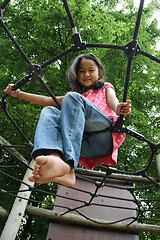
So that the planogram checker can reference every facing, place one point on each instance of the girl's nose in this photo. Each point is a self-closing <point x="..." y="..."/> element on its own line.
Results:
<point x="87" y="73"/>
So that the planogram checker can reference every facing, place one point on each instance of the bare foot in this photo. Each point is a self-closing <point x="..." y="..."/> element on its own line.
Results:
<point x="68" y="179"/>
<point x="52" y="168"/>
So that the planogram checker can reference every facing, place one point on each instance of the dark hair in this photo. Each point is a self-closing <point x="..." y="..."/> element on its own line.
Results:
<point x="72" y="73"/>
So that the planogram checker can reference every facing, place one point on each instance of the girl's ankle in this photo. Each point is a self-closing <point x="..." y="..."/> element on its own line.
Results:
<point x="55" y="153"/>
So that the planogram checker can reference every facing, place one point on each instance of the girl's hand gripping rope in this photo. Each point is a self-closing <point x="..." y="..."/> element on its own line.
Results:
<point x="13" y="93"/>
<point x="124" y="108"/>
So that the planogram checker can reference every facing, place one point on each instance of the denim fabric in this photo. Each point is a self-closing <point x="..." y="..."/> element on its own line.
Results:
<point x="63" y="130"/>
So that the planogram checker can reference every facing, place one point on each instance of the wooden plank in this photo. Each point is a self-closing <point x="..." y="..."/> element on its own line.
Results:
<point x="14" y="220"/>
<point x="67" y="232"/>
<point x="104" y="214"/>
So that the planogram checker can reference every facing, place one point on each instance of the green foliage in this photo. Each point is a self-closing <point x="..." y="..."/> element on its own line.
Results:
<point x="43" y="31"/>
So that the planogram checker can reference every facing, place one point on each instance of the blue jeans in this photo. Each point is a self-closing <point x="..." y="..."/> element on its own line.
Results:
<point x="63" y="130"/>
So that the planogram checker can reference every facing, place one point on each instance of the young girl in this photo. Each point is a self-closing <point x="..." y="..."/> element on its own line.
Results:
<point x="62" y="138"/>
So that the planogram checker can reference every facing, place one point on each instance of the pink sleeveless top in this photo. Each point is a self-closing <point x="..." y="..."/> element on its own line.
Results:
<point x="98" y="97"/>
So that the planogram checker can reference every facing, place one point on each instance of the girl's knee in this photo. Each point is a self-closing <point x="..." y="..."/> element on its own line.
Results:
<point x="49" y="110"/>
<point x="71" y="96"/>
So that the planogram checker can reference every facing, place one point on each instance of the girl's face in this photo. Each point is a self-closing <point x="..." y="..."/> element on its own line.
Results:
<point x="87" y="73"/>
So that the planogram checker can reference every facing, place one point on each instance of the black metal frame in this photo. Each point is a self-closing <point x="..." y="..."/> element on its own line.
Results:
<point x="131" y="49"/>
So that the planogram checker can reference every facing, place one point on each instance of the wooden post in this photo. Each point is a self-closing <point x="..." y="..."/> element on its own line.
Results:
<point x="14" y="220"/>
<point x="72" y="219"/>
<point x="13" y="150"/>
<point x="123" y="177"/>
<point x="158" y="164"/>
<point x="3" y="213"/>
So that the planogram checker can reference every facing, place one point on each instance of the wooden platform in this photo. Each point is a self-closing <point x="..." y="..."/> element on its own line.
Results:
<point x="63" y="231"/>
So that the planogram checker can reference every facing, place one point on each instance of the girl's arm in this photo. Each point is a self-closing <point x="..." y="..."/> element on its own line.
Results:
<point x="32" y="98"/>
<point x="123" y="108"/>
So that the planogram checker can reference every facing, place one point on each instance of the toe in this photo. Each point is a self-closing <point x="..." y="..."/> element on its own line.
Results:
<point x="41" y="160"/>
<point x="32" y="179"/>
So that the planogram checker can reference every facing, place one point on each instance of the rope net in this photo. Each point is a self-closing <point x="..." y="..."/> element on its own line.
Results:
<point x="144" y="207"/>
